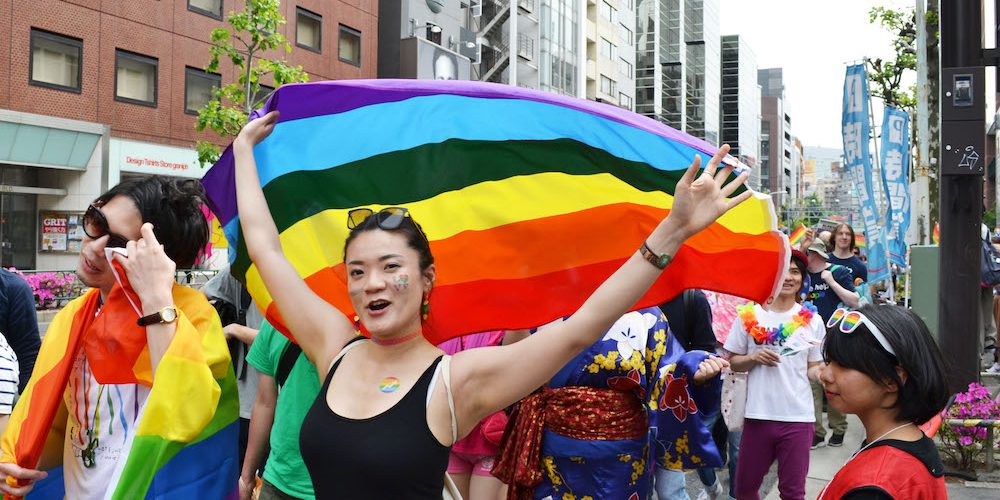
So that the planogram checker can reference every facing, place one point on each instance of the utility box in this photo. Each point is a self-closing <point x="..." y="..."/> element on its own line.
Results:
<point x="925" y="284"/>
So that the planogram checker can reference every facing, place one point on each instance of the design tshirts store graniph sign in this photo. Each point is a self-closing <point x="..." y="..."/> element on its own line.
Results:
<point x="152" y="159"/>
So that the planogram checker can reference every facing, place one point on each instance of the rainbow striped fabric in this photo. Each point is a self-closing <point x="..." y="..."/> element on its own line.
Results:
<point x="860" y="241"/>
<point x="796" y="237"/>
<point x="184" y="445"/>
<point x="530" y="200"/>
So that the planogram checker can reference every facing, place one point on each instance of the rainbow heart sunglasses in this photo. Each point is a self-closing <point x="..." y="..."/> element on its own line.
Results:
<point x="849" y="321"/>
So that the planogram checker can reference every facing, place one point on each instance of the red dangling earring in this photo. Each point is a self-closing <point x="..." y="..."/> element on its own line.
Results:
<point x="425" y="308"/>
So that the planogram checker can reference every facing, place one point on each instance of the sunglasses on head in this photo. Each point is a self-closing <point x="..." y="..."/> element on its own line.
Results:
<point x="850" y="320"/>
<point x="95" y="225"/>
<point x="388" y="218"/>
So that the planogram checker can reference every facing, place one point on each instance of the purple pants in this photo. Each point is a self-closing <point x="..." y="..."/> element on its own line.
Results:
<point x="763" y="442"/>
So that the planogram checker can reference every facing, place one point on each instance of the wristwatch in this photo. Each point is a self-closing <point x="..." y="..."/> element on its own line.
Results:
<point x="166" y="315"/>
<point x="660" y="261"/>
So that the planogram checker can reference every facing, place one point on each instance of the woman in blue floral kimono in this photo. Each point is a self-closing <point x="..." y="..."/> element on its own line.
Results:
<point x="593" y="430"/>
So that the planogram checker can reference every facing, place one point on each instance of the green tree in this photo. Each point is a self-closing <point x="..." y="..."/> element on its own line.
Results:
<point x="886" y="74"/>
<point x="252" y="43"/>
<point x="886" y="77"/>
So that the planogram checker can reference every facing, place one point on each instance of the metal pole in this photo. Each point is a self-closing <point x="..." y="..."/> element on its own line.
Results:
<point x="920" y="214"/>
<point x="961" y="188"/>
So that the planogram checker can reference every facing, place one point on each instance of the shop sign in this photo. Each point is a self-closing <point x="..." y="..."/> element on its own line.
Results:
<point x="149" y="158"/>
<point x="61" y="231"/>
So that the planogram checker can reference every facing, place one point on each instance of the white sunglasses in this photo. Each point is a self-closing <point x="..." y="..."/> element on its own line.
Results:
<point x="849" y="321"/>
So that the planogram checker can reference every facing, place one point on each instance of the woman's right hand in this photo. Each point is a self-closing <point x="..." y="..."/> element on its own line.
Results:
<point x="766" y="357"/>
<point x="257" y="130"/>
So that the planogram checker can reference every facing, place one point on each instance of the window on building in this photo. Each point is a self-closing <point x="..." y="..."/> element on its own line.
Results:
<point x="625" y="34"/>
<point x="198" y="86"/>
<point x="626" y="69"/>
<point x="433" y="33"/>
<point x="625" y="101"/>
<point x="607" y="49"/>
<point x="55" y="60"/>
<point x="210" y="8"/>
<point x="308" y="30"/>
<point x="350" y="45"/>
<point x="607" y="11"/>
<point x="135" y="78"/>
<point x="262" y="94"/>
<point x="608" y="86"/>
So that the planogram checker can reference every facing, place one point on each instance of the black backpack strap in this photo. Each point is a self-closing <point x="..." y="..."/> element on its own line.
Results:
<point x="288" y="358"/>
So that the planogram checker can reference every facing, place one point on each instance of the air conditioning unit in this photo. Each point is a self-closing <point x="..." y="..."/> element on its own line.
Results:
<point x="476" y="8"/>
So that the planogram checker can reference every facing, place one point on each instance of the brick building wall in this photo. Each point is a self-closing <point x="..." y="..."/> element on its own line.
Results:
<point x="167" y="31"/>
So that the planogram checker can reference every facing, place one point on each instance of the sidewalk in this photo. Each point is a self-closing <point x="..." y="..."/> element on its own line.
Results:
<point x="826" y="461"/>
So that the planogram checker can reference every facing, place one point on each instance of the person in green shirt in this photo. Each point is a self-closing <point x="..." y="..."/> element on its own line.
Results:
<point x="278" y="414"/>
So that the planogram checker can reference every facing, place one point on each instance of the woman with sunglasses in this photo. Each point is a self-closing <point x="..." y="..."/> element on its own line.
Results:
<point x="382" y="426"/>
<point x="884" y="367"/>
<point x="779" y="345"/>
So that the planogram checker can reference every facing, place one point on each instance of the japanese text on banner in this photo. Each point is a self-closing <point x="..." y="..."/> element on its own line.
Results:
<point x="895" y="163"/>
<point x="857" y="160"/>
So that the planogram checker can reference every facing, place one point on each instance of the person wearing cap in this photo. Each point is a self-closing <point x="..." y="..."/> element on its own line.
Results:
<point x="831" y="286"/>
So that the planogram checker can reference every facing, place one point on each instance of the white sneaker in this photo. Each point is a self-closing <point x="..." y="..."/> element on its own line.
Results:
<point x="994" y="369"/>
<point x="711" y="493"/>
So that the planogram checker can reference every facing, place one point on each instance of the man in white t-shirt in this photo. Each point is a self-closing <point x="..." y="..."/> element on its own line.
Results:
<point x="780" y="347"/>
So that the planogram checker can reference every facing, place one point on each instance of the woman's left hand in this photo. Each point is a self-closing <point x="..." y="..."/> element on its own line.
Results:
<point x="150" y="272"/>
<point x="710" y="368"/>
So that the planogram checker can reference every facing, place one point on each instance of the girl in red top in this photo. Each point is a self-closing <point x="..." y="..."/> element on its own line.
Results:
<point x="884" y="367"/>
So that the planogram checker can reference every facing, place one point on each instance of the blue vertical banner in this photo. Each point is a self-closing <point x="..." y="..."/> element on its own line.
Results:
<point x="857" y="131"/>
<point x="895" y="164"/>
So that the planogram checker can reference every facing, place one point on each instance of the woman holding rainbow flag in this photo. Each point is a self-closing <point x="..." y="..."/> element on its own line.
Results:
<point x="380" y="408"/>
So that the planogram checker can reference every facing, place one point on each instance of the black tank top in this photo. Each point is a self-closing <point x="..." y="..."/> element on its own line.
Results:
<point x="391" y="455"/>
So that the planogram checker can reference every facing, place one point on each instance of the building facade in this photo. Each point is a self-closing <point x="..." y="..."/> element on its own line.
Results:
<point x="427" y="40"/>
<point x="94" y="92"/>
<point x="741" y="113"/>
<point x="678" y="74"/>
<point x="610" y="35"/>
<point x="777" y="150"/>
<point x="538" y="44"/>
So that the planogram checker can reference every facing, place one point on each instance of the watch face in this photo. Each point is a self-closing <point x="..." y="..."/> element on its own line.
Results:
<point x="168" y="314"/>
<point x="662" y="261"/>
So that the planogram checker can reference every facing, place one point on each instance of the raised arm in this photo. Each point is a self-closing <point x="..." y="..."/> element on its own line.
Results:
<point x="319" y="328"/>
<point x="847" y="295"/>
<point x="514" y="371"/>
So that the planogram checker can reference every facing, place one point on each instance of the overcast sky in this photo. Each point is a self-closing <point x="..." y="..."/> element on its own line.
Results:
<point x="812" y="40"/>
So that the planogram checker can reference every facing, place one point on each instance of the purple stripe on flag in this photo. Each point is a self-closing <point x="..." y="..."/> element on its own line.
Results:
<point x="305" y="100"/>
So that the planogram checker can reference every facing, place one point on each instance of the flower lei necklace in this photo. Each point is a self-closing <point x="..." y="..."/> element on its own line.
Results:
<point x="774" y="335"/>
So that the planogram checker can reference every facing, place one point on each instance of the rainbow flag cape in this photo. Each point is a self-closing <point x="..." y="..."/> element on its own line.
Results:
<point x="184" y="445"/>
<point x="530" y="200"/>
<point x="796" y="237"/>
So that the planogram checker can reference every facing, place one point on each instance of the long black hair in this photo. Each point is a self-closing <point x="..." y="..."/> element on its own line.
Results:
<point x="925" y="391"/>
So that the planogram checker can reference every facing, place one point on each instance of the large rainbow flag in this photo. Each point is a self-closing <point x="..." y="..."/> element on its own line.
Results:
<point x="530" y="200"/>
<point x="185" y="442"/>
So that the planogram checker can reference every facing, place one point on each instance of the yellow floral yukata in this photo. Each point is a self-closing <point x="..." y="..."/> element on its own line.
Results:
<point x="639" y="355"/>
